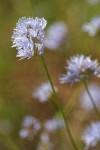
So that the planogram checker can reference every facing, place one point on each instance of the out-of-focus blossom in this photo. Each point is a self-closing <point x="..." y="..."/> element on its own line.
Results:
<point x="45" y="142"/>
<point x="95" y="93"/>
<point x="28" y="36"/>
<point x="91" y="135"/>
<point x="93" y="1"/>
<point x="92" y="27"/>
<point x="44" y="137"/>
<point x="56" y="34"/>
<point x="80" y="67"/>
<point x="54" y="124"/>
<point x="43" y="92"/>
<point x="30" y="126"/>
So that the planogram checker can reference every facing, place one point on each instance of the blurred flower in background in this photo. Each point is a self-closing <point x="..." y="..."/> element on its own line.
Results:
<point x="28" y="36"/>
<point x="44" y="92"/>
<point x="85" y="99"/>
<point x="30" y="126"/>
<point x="93" y="27"/>
<point x="91" y="135"/>
<point x="45" y="142"/>
<point x="54" y="124"/>
<point x="56" y="34"/>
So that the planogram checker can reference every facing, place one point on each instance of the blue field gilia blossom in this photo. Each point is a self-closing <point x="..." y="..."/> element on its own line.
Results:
<point x="28" y="36"/>
<point x="91" y="135"/>
<point x="80" y="67"/>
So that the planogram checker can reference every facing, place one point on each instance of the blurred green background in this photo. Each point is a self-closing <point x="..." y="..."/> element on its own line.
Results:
<point x="18" y="79"/>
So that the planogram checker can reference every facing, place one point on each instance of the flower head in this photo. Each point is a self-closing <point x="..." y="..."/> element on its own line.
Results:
<point x="80" y="67"/>
<point x="28" y="35"/>
<point x="91" y="135"/>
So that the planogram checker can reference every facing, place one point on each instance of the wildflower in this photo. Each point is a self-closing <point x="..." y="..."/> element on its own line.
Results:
<point x="92" y="27"/>
<point x="44" y="92"/>
<point x="91" y="135"/>
<point x="95" y="93"/>
<point x="30" y="127"/>
<point x="80" y="67"/>
<point x="56" y="33"/>
<point x="28" y="36"/>
<point x="54" y="124"/>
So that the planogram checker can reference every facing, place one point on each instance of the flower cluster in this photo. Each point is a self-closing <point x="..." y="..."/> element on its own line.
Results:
<point x="28" y="36"/>
<point x="79" y="68"/>
<point x="30" y="127"/>
<point x="91" y="135"/>
<point x="92" y="27"/>
<point x="56" y="33"/>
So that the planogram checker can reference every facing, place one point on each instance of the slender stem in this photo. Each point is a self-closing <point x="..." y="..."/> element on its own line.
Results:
<point x="56" y="102"/>
<point x="72" y="101"/>
<point x="47" y="72"/>
<point x="92" y="100"/>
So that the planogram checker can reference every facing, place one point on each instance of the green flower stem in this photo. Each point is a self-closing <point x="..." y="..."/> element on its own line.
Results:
<point x="57" y="103"/>
<point x="92" y="100"/>
<point x="72" y="101"/>
<point x="8" y="142"/>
